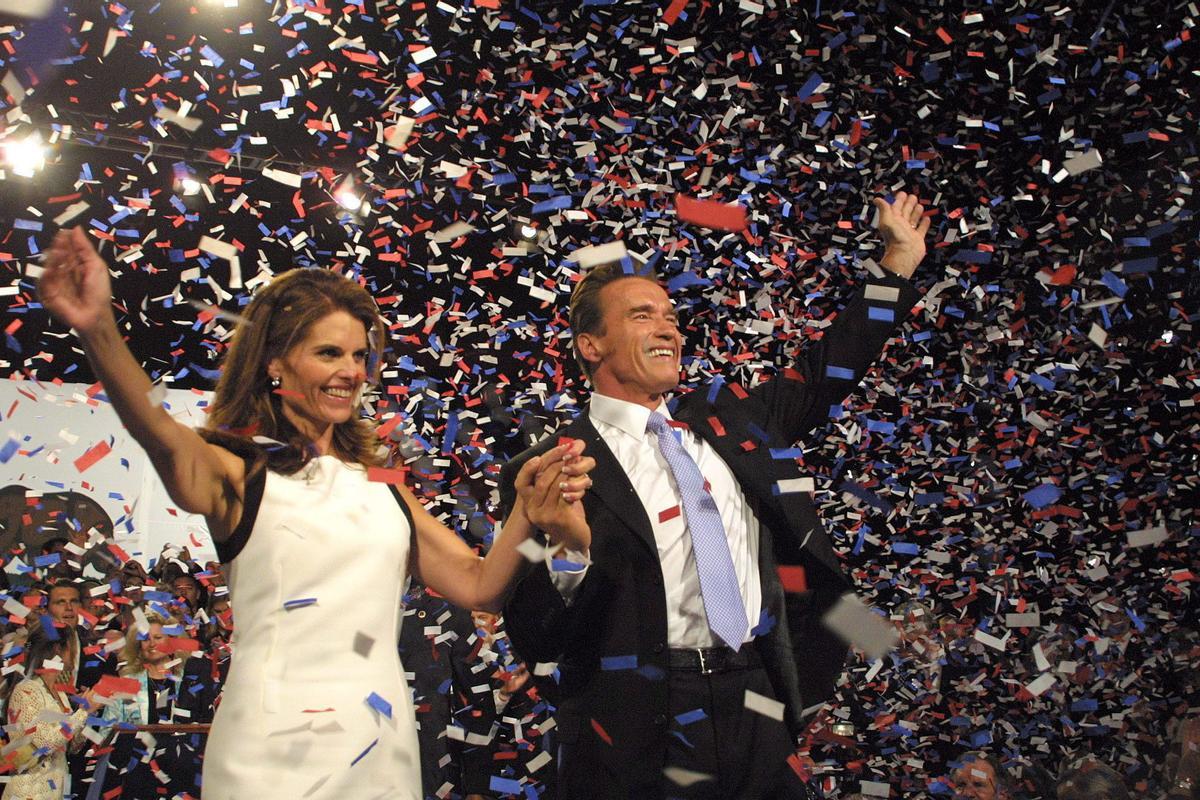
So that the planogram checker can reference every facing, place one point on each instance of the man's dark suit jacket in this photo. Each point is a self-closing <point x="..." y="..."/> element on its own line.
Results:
<point x="619" y="609"/>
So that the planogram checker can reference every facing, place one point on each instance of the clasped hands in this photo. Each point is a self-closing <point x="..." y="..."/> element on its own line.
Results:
<point x="550" y="489"/>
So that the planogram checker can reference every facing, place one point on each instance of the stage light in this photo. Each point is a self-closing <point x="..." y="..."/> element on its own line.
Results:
<point x="528" y="232"/>
<point x="25" y="156"/>
<point x="1168" y="336"/>
<point x="190" y="186"/>
<point x="347" y="198"/>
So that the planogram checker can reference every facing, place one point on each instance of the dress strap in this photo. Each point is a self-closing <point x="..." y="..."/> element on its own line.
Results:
<point x="412" y="526"/>
<point x="252" y="496"/>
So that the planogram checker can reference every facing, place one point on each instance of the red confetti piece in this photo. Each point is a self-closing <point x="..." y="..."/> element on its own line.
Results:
<point x="669" y="514"/>
<point x="603" y="734"/>
<point x="1063" y="275"/>
<point x="673" y="11"/>
<point x="716" y="425"/>
<point x="711" y="214"/>
<point x="110" y="685"/>
<point x="385" y="475"/>
<point x="177" y="644"/>
<point x="793" y="578"/>
<point x="99" y="451"/>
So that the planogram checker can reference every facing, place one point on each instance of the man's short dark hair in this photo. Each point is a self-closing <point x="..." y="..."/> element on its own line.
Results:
<point x="586" y="311"/>
<point x="65" y="584"/>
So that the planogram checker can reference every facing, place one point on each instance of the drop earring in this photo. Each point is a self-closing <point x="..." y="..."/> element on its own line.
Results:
<point x="275" y="382"/>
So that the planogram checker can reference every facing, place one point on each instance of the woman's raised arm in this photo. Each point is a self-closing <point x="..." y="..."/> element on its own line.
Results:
<point x="201" y="478"/>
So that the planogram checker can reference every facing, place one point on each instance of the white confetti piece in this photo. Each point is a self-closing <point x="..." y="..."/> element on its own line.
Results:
<point x="1029" y="619"/>
<point x="281" y="176"/>
<point x="1040" y="684"/>
<point x="1147" y="536"/>
<point x="452" y="231"/>
<point x="859" y="626"/>
<point x="189" y="124"/>
<point x="883" y="294"/>
<point x="533" y="551"/>
<point x="793" y="485"/>
<point x="1082" y="163"/>
<point x="685" y="777"/>
<point x="763" y="705"/>
<point x="993" y="642"/>
<point x="875" y="788"/>
<point x="596" y="254"/>
<point x="70" y="212"/>
<point x="13" y="87"/>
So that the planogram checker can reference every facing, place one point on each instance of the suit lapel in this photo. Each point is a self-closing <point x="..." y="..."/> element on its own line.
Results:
<point x="610" y="485"/>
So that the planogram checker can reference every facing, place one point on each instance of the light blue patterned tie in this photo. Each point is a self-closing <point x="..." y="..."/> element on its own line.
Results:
<point x="718" y="581"/>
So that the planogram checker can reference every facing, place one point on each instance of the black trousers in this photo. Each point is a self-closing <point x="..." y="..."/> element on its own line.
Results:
<point x="717" y="749"/>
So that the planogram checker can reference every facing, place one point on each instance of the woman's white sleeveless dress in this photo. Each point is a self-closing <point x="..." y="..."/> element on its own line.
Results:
<point x="316" y="705"/>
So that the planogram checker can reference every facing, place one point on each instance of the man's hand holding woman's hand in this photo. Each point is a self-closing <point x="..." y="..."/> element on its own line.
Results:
<point x="550" y="489"/>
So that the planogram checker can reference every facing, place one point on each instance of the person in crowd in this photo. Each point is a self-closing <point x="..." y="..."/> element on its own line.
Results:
<point x="979" y="776"/>
<point x="1183" y="781"/>
<point x="45" y="718"/>
<point x="147" y="658"/>
<point x="681" y="614"/>
<point x="289" y="479"/>
<point x="454" y="702"/>
<point x="1092" y="780"/>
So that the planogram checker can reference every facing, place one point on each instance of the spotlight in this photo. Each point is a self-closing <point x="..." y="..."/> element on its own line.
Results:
<point x="1168" y="336"/>
<point x="528" y="232"/>
<point x="190" y="186"/>
<point x="25" y="156"/>
<point x="348" y="199"/>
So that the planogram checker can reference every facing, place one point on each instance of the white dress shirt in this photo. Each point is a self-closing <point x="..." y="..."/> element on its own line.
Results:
<point x="622" y="426"/>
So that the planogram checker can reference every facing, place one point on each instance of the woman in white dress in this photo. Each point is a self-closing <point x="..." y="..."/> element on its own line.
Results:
<point x="315" y="705"/>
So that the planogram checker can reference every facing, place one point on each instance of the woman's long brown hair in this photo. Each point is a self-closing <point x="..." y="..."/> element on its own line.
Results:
<point x="246" y="405"/>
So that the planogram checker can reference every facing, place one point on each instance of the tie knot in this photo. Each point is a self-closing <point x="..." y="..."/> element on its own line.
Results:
<point x="656" y="423"/>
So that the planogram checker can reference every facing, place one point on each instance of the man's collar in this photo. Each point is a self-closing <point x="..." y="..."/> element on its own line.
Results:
<point x="622" y="414"/>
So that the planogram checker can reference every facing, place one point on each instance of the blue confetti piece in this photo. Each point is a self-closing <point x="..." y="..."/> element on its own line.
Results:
<point x="839" y="372"/>
<point x="714" y="389"/>
<point x="612" y="663"/>
<point x="363" y="754"/>
<point x="47" y="560"/>
<point x="688" y="717"/>
<point x="553" y="204"/>
<point x="379" y="704"/>
<point x="766" y="623"/>
<point x="906" y="548"/>
<point x="9" y="450"/>
<point x="1042" y="496"/>
<point x="810" y="86"/>
<point x="301" y="602"/>
<point x="881" y="314"/>
<point x="1139" y="265"/>
<point x="787" y="452"/>
<point x="685" y="280"/>
<point x="496" y="783"/>
<point x="49" y="627"/>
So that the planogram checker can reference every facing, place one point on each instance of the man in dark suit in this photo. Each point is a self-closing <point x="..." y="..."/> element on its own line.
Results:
<point x="685" y="665"/>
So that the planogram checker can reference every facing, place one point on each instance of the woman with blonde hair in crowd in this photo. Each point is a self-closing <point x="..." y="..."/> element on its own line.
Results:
<point x="317" y="545"/>
<point x="41" y="721"/>
<point x="147" y="658"/>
